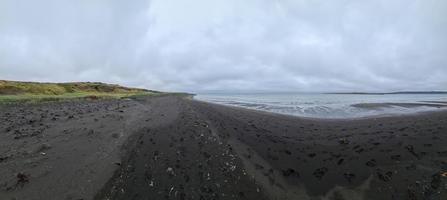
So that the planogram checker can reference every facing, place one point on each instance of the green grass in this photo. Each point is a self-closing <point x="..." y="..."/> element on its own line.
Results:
<point x="15" y="91"/>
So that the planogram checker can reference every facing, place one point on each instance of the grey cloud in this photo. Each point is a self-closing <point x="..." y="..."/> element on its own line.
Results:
<point x="228" y="45"/>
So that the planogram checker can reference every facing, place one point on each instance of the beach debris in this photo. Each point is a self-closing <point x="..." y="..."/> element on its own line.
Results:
<point x="444" y="174"/>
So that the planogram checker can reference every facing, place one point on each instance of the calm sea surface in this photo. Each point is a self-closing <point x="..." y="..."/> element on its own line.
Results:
<point x="327" y="105"/>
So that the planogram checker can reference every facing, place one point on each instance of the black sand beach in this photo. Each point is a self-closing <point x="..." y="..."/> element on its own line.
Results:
<point x="172" y="147"/>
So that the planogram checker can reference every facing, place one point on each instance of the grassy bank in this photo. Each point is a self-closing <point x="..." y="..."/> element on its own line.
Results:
<point x="15" y="91"/>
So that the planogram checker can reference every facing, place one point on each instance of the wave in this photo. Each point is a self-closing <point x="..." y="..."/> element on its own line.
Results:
<point x="330" y="105"/>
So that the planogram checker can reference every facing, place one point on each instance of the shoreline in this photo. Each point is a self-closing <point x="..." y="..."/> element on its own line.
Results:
<point x="330" y="119"/>
<point x="170" y="147"/>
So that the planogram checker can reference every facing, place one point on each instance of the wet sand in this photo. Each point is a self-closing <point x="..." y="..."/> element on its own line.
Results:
<point x="176" y="148"/>
<point x="434" y="104"/>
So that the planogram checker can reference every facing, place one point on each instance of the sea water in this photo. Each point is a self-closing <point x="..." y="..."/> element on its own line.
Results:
<point x="327" y="105"/>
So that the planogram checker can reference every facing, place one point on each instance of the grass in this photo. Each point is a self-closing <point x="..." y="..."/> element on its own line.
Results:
<point x="15" y="91"/>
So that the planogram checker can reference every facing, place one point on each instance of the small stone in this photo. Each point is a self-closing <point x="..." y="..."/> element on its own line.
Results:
<point x="349" y="176"/>
<point x="371" y="163"/>
<point x="22" y="178"/>
<point x="320" y="172"/>
<point x="170" y="171"/>
<point x="343" y="141"/>
<point x="43" y="147"/>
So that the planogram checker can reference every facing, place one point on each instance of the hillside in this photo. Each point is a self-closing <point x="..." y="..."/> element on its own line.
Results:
<point x="16" y="90"/>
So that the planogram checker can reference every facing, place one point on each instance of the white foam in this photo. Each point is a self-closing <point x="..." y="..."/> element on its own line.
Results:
<point x="325" y="105"/>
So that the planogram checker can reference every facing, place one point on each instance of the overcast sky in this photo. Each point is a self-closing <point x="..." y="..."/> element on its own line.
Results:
<point x="228" y="45"/>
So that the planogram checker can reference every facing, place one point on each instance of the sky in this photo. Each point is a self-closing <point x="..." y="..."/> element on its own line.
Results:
<point x="228" y="45"/>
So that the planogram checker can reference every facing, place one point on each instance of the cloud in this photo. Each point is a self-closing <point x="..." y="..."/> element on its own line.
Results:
<point x="228" y="45"/>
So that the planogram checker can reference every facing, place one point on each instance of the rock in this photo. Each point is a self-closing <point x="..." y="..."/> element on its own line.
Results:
<point x="411" y="167"/>
<point x="22" y="178"/>
<point x="386" y="177"/>
<point x="371" y="163"/>
<point x="435" y="181"/>
<point x="4" y="158"/>
<point x="43" y="147"/>
<point x="320" y="172"/>
<point x="395" y="157"/>
<point x="170" y="171"/>
<point x="410" y="149"/>
<point x="360" y="150"/>
<point x="289" y="172"/>
<point x="349" y="176"/>
<point x="343" y="141"/>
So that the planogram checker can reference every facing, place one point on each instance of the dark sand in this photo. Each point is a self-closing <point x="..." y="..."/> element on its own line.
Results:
<point x="174" y="148"/>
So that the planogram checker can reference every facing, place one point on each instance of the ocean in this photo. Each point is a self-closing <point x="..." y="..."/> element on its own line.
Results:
<point x="331" y="105"/>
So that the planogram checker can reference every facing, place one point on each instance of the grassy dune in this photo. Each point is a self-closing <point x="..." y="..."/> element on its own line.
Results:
<point x="15" y="91"/>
